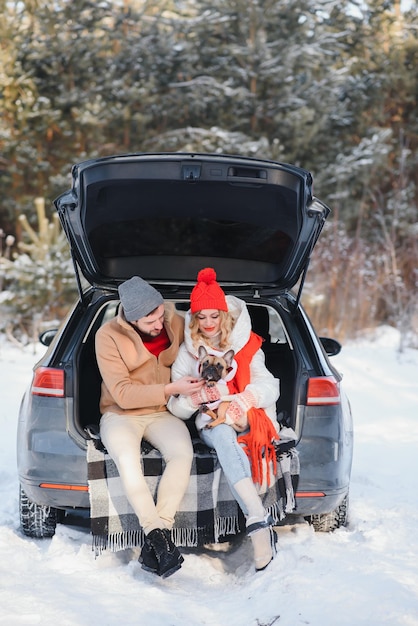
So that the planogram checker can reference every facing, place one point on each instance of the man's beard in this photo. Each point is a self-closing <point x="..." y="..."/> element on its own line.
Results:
<point x="151" y="335"/>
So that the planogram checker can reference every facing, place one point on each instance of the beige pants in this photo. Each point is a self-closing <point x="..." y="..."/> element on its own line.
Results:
<point x="122" y="435"/>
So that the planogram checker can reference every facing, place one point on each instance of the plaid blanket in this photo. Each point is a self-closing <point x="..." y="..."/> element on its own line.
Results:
<point x="208" y="511"/>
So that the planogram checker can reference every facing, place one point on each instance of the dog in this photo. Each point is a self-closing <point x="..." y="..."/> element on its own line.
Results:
<point x="213" y="369"/>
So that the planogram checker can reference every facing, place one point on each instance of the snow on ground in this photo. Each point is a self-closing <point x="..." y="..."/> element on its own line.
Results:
<point x="365" y="574"/>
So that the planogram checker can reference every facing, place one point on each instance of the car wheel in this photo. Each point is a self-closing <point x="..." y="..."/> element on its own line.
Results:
<point x="327" y="522"/>
<point x="35" y="520"/>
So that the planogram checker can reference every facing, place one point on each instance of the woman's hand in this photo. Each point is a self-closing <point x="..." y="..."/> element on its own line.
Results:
<point x="233" y="415"/>
<point x="222" y="409"/>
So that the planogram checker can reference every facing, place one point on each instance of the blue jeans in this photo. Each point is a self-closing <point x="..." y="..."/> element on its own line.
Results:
<point x="233" y="460"/>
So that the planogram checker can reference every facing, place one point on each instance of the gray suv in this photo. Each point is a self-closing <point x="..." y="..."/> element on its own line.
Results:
<point x="164" y="217"/>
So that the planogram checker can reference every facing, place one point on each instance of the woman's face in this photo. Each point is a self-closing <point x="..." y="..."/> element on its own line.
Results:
<point x="209" y="321"/>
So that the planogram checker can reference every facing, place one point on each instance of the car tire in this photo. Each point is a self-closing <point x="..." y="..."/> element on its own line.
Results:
<point x="36" y="521"/>
<point x="328" y="522"/>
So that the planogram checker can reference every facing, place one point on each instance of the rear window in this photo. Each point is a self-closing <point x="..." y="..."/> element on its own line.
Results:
<point x="142" y="219"/>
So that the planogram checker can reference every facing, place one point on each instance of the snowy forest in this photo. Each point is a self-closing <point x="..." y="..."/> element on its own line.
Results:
<point x="328" y="85"/>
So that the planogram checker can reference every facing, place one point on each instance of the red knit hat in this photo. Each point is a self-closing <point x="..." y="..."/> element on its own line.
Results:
<point x="207" y="294"/>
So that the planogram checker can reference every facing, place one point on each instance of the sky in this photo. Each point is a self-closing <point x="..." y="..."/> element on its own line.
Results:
<point x="365" y="574"/>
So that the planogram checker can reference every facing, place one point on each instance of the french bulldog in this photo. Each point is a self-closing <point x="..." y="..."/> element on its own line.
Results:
<point x="213" y="369"/>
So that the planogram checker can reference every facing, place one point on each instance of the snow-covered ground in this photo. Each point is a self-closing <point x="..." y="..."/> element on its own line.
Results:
<point x="365" y="574"/>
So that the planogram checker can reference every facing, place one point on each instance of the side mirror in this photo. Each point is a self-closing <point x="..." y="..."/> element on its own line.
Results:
<point x="47" y="336"/>
<point x="331" y="346"/>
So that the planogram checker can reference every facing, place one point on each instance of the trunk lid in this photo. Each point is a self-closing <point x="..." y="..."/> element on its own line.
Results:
<point x="166" y="216"/>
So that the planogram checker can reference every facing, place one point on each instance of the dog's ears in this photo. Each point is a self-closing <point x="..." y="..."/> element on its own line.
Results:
<point x="228" y="356"/>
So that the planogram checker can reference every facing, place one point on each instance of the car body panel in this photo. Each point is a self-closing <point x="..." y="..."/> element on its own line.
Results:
<point x="47" y="454"/>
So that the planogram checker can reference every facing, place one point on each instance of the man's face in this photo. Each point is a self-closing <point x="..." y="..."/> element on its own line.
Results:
<point x="151" y="324"/>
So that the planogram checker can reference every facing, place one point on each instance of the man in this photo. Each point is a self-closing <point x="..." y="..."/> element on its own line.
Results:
<point x="135" y="351"/>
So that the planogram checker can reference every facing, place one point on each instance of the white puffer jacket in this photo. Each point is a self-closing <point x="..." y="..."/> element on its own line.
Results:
<point x="263" y="386"/>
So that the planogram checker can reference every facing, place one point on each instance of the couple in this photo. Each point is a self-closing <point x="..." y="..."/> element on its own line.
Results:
<point x="138" y="352"/>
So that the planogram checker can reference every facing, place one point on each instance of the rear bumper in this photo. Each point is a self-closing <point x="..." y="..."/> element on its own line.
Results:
<point x="325" y="454"/>
<point x="318" y="505"/>
<point x="66" y="497"/>
<point x="47" y="455"/>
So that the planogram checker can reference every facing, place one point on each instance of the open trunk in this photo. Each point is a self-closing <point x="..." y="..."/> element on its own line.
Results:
<point x="165" y="216"/>
<point x="280" y="360"/>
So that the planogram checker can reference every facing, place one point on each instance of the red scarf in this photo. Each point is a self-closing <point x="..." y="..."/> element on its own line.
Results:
<point x="157" y="344"/>
<point x="258" y="442"/>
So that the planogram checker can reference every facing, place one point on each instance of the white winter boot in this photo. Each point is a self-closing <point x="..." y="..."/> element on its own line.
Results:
<point x="264" y="541"/>
<point x="259" y="529"/>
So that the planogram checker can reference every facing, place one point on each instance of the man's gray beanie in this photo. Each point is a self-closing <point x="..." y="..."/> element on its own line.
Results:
<point x="138" y="298"/>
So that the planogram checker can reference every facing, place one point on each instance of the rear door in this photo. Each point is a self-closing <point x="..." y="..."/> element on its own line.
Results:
<point x="165" y="216"/>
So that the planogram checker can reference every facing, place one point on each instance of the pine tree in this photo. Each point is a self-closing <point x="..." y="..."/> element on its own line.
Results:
<point x="39" y="278"/>
<point x="327" y="85"/>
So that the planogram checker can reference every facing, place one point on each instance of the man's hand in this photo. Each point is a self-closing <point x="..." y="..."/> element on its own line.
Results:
<point x="184" y="386"/>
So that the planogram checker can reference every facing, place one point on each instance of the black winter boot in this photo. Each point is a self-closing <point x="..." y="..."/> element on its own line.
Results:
<point x="166" y="553"/>
<point x="147" y="558"/>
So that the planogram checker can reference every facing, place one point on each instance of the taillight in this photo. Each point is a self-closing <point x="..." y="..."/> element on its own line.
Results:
<point x="48" y="381"/>
<point x="323" y="390"/>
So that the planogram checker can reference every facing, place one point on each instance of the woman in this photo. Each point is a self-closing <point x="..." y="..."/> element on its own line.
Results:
<point x="247" y="402"/>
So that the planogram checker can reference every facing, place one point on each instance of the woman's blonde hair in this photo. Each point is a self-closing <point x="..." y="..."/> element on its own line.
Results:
<point x="226" y="326"/>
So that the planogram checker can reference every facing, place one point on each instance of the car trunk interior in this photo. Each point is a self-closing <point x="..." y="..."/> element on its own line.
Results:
<point x="280" y="360"/>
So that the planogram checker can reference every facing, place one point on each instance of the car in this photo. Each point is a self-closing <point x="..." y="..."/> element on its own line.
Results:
<point x="163" y="217"/>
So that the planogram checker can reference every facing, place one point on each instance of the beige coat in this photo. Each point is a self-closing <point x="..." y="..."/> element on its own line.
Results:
<point x="133" y="378"/>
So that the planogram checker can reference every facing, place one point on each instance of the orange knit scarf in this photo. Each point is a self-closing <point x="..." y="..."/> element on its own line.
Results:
<point x="258" y="441"/>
